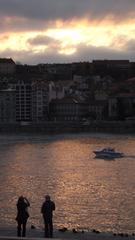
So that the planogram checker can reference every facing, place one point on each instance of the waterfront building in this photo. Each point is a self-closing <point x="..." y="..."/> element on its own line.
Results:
<point x="112" y="107"/>
<point x="122" y="106"/>
<point x="98" y="109"/>
<point x="23" y="101"/>
<point x="68" y="109"/>
<point x="4" y="82"/>
<point x="7" y="66"/>
<point x="56" y="90"/>
<point x="59" y="89"/>
<point x="7" y="106"/>
<point x="40" y="100"/>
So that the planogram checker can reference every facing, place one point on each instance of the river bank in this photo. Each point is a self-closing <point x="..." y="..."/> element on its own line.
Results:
<point x="69" y="127"/>
<point x="10" y="233"/>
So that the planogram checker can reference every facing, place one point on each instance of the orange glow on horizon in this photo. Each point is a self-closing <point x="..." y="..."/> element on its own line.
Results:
<point x="69" y="35"/>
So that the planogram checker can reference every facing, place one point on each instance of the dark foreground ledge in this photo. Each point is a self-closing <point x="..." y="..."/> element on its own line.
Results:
<point x="90" y="237"/>
<point x="35" y="234"/>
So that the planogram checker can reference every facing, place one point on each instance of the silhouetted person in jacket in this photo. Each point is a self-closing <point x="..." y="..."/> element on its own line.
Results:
<point x="47" y="210"/>
<point x="22" y="216"/>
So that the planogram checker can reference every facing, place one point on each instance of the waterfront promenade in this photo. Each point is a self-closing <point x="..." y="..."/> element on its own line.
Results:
<point x="33" y="234"/>
<point x="70" y="127"/>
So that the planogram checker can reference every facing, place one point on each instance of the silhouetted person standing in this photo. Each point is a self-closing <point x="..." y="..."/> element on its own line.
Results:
<point x="47" y="210"/>
<point x="22" y="216"/>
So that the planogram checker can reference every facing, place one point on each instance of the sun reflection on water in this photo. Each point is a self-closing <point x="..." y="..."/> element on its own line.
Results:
<point x="88" y="192"/>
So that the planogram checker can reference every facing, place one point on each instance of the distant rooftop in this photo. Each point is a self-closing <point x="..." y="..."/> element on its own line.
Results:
<point x="110" y="61"/>
<point x="6" y="60"/>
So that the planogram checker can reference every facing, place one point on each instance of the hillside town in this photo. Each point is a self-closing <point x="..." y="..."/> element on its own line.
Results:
<point x="77" y="93"/>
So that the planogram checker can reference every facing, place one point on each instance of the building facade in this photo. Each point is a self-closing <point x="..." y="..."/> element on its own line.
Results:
<point x="67" y="109"/>
<point x="7" y="66"/>
<point x="23" y="102"/>
<point x="40" y="101"/>
<point x="7" y="106"/>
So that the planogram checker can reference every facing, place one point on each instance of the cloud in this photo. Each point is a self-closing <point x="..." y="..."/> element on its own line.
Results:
<point x="33" y="15"/>
<point x="43" y="40"/>
<point x="67" y="30"/>
<point x="44" y="44"/>
<point x="49" y="10"/>
<point x="89" y="53"/>
<point x="83" y="53"/>
<point x="21" y="24"/>
<point x="130" y="46"/>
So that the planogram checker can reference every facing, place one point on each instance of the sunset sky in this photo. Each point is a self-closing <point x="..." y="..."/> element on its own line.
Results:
<point x="62" y="31"/>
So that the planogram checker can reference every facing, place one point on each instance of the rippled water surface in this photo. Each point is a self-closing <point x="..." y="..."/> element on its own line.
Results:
<point x="88" y="192"/>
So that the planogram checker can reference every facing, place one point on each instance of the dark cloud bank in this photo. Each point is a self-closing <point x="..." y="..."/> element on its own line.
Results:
<point x="66" y="9"/>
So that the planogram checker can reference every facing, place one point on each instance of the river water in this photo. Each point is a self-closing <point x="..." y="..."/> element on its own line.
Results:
<point x="89" y="193"/>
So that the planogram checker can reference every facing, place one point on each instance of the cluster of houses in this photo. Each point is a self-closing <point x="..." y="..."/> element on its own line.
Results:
<point x="66" y="92"/>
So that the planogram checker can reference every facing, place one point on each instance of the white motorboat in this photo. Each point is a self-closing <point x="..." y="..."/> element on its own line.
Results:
<point x="108" y="153"/>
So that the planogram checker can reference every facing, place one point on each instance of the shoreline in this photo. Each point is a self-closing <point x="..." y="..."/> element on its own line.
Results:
<point x="36" y="233"/>
<point x="98" y="126"/>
